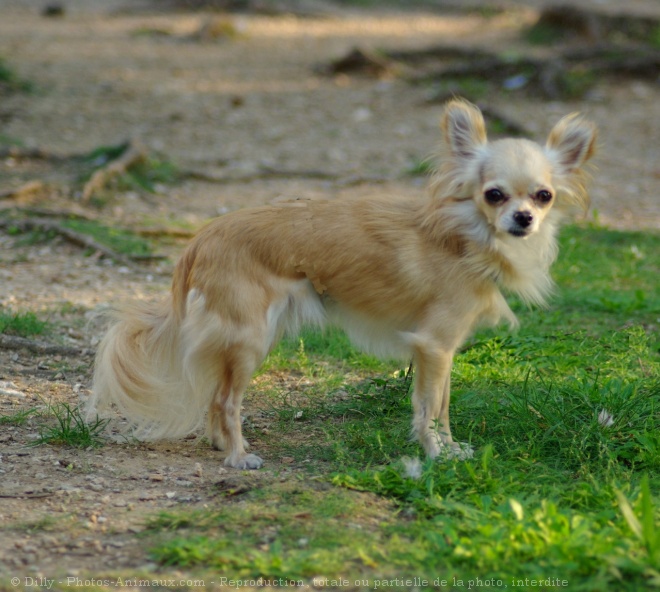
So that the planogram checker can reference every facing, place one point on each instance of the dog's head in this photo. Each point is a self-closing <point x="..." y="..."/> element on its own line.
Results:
<point x="513" y="182"/>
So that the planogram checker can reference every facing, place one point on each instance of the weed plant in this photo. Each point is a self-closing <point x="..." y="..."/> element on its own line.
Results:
<point x="71" y="429"/>
<point x="19" y="418"/>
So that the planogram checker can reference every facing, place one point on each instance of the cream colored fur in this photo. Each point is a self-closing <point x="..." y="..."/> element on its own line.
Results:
<point x="403" y="277"/>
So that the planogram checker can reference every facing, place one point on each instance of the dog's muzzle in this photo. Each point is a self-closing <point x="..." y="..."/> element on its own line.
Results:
<point x="522" y="222"/>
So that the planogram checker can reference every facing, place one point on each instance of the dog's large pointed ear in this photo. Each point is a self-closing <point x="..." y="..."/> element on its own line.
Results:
<point x="572" y="142"/>
<point x="464" y="128"/>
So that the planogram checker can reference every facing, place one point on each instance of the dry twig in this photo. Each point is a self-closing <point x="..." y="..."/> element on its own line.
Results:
<point x="135" y="152"/>
<point x="25" y="191"/>
<point x="37" y="347"/>
<point x="76" y="238"/>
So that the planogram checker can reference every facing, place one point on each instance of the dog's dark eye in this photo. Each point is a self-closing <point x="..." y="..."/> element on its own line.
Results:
<point x="543" y="196"/>
<point x="494" y="196"/>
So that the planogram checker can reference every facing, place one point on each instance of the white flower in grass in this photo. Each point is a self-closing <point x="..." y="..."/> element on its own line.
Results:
<point x="412" y="467"/>
<point x="605" y="418"/>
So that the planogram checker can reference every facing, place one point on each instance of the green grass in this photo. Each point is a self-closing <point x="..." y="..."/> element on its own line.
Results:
<point x="19" y="418"/>
<point x="564" y="486"/>
<point x="70" y="428"/>
<point x="21" y="324"/>
<point x="11" y="81"/>
<point x="143" y="175"/>
<point x="120" y="240"/>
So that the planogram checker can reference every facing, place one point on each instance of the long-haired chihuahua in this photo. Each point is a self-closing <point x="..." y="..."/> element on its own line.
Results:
<point x="402" y="277"/>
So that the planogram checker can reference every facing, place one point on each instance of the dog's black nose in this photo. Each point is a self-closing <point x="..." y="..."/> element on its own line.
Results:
<point x="523" y="219"/>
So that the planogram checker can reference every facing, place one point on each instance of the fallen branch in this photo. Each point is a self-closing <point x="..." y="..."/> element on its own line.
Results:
<point x="18" y="153"/>
<point x="76" y="238"/>
<point x="566" y="20"/>
<point x="358" y="61"/>
<point x="38" y="347"/>
<point x="565" y="72"/>
<point x="77" y="214"/>
<point x="134" y="153"/>
<point x="436" y="52"/>
<point x="25" y="191"/>
<point x="553" y="77"/>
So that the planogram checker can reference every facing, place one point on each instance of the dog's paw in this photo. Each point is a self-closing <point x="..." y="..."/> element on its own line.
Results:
<point x="247" y="461"/>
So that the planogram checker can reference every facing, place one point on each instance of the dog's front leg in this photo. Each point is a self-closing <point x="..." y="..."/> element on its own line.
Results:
<point x="431" y="402"/>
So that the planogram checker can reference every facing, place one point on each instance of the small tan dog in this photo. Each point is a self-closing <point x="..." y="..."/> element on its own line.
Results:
<point x="402" y="277"/>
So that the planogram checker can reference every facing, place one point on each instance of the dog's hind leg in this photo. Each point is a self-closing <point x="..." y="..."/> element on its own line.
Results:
<point x="235" y="371"/>
<point x="431" y="401"/>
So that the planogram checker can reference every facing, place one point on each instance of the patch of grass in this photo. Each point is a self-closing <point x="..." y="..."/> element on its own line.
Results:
<point x="496" y="519"/>
<point x="71" y="429"/>
<point x="6" y="140"/>
<point x="543" y="33"/>
<point x="22" y="324"/>
<point x="10" y="80"/>
<point x="575" y="82"/>
<point x="144" y="175"/>
<point x="563" y="416"/>
<point x="43" y="524"/>
<point x="19" y="418"/>
<point x="147" y="174"/>
<point x="289" y="531"/>
<point x="654" y="38"/>
<point x="120" y="240"/>
<point x="470" y="87"/>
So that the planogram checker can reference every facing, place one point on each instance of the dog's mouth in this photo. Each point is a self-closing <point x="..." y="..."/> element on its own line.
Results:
<point x="519" y="232"/>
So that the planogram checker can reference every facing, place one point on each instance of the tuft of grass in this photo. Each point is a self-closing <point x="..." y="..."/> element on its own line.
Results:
<point x="22" y="324"/>
<point x="19" y="418"/>
<point x="71" y="429"/>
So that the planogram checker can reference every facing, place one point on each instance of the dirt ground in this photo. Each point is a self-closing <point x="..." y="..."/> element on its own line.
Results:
<point x="110" y="70"/>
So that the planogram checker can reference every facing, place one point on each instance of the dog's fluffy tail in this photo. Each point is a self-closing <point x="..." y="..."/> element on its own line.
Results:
<point x="139" y="370"/>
